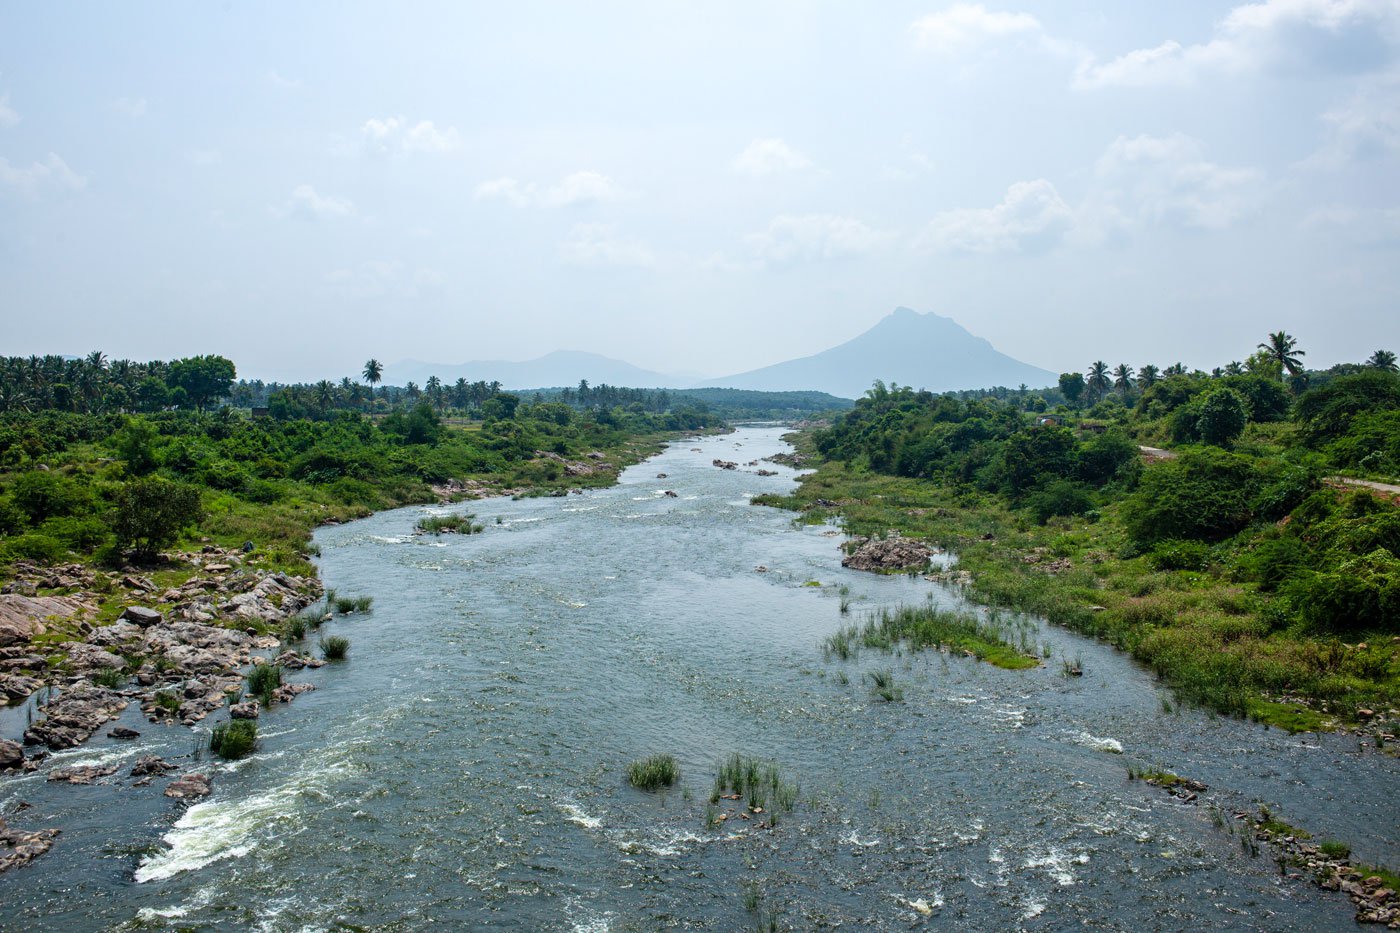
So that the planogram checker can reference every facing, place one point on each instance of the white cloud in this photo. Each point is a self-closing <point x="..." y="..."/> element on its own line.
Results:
<point x="1031" y="216"/>
<point x="1366" y="126"/>
<point x="1334" y="35"/>
<point x="131" y="107"/>
<point x="379" y="278"/>
<point x="395" y="135"/>
<point x="1167" y="180"/>
<point x="585" y="187"/>
<point x="278" y="81"/>
<point x="967" y="24"/>
<point x="599" y="245"/>
<point x="305" y="202"/>
<point x="8" y="116"/>
<point x="1363" y="227"/>
<point x="769" y="157"/>
<point x="52" y="173"/>
<point x="813" y="237"/>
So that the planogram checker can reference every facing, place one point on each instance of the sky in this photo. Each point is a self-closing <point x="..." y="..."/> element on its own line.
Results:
<point x="696" y="187"/>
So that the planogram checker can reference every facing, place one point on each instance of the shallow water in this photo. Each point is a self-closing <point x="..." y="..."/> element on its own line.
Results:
<point x="465" y="767"/>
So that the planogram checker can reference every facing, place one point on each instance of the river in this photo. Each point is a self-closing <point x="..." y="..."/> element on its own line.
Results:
<point x="465" y="767"/>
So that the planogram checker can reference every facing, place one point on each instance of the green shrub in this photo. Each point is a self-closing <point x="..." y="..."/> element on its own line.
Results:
<point x="1179" y="555"/>
<point x="1334" y="849"/>
<point x="653" y="772"/>
<point x="45" y="494"/>
<point x="1204" y="494"/>
<point x="263" y="681"/>
<point x="1060" y="497"/>
<point x="33" y="546"/>
<point x="151" y="513"/>
<point x="234" y="738"/>
<point x="335" y="647"/>
<point x="1221" y="417"/>
<point x="1360" y="595"/>
<point x="1273" y="561"/>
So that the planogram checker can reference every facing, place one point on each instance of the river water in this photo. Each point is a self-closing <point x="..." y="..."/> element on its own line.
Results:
<point x="465" y="768"/>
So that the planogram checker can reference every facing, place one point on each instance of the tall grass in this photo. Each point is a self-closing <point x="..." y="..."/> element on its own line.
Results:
<point x="454" y="524"/>
<point x="883" y="686"/>
<point x="927" y="626"/>
<point x="757" y="781"/>
<point x="263" y="681"/>
<point x="335" y="647"/>
<point x="653" y="772"/>
<point x="344" y="605"/>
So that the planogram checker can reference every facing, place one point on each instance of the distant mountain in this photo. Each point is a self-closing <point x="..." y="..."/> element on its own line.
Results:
<point x="920" y="350"/>
<point x="557" y="369"/>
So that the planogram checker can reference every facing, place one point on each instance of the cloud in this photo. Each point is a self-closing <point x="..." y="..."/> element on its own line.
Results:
<point x="1167" y="180"/>
<point x="8" y="115"/>
<point x="585" y="187"/>
<point x="379" y="278"/>
<point x="51" y="174"/>
<point x="792" y="238"/>
<point x="278" y="81"/>
<point x="1366" y="127"/>
<point x="599" y="245"/>
<point x="396" y="136"/>
<point x="130" y="107"/>
<point x="306" y="203"/>
<point x="769" y="157"/>
<point x="1363" y="227"/>
<point x="1330" y="35"/>
<point x="1032" y="216"/>
<point x="967" y="24"/>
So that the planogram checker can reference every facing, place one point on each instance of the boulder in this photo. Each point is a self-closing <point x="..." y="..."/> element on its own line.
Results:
<point x="141" y="616"/>
<point x="246" y="710"/>
<point x="18" y="848"/>
<point x="87" y="657"/>
<point x="122" y="732"/>
<point x="149" y="765"/>
<point x="81" y="774"/>
<point x="11" y="755"/>
<point x="78" y="712"/>
<point x="115" y="635"/>
<point x="22" y="617"/>
<point x="188" y="787"/>
<point x="16" y="687"/>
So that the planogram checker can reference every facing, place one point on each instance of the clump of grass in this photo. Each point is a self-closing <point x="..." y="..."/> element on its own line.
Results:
<point x="1334" y="849"/>
<point x="295" y="629"/>
<point x="234" y="738"/>
<point x="653" y="772"/>
<point x="752" y="894"/>
<point x="927" y="626"/>
<point x="335" y="647"/>
<point x="450" y="524"/>
<point x="344" y="605"/>
<point x="757" y="781"/>
<point x="263" y="681"/>
<point x="883" y="686"/>
<point x="167" y="700"/>
<point x="109" y="677"/>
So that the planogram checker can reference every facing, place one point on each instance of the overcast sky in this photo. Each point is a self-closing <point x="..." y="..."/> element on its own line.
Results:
<point x="701" y="187"/>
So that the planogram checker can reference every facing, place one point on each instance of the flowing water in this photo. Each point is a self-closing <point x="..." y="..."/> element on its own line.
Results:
<point x="465" y="768"/>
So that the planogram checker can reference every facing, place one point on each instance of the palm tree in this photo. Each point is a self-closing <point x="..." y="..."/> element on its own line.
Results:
<point x="1234" y="368"/>
<point x="1123" y="378"/>
<point x="1283" y="350"/>
<point x="1382" y="359"/>
<point x="1147" y="376"/>
<point x="1176" y="369"/>
<point x="374" y="371"/>
<point x="1097" y="382"/>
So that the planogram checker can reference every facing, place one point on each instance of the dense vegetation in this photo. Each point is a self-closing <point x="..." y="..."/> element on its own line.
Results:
<point x="99" y="478"/>
<point x="1236" y="566"/>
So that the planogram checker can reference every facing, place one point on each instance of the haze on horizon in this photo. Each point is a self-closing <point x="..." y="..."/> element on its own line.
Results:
<point x="706" y="188"/>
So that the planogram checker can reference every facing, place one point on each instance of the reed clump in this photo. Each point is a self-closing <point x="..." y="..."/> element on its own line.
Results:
<point x="653" y="772"/>
<point x="335" y="647"/>
<point x="234" y="738"/>
<point x="263" y="681"/>
<point x="450" y="524"/>
<point x="927" y="626"/>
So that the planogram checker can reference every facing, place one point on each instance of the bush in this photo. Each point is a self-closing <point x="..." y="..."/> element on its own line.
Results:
<point x="654" y="772"/>
<point x="1360" y="595"/>
<point x="37" y="547"/>
<point x="234" y="739"/>
<point x="1061" y="497"/>
<point x="1203" y="495"/>
<point x="44" y="494"/>
<point x="1221" y="417"/>
<point x="151" y="513"/>
<point x="1179" y="555"/>
<point x="335" y="648"/>
<point x="1273" y="561"/>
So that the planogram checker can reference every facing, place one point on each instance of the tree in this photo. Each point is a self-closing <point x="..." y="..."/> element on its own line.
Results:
<point x="1147" y="376"/>
<point x="1071" y="386"/>
<point x="1283" y="350"/>
<point x="1234" y="368"/>
<point x="1382" y="359"/>
<point x="1123" y="378"/>
<point x="205" y="379"/>
<point x="373" y="372"/>
<point x="151" y="513"/>
<point x="1222" y="417"/>
<point x="1098" y="382"/>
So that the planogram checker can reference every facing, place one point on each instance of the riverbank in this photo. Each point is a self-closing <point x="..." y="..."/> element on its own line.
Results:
<point x="1207" y="637"/>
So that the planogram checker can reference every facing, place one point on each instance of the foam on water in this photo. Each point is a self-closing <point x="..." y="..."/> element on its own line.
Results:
<point x="1096" y="742"/>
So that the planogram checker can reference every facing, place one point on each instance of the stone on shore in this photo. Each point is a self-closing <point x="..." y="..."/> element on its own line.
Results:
<point x="188" y="787"/>
<point x="893" y="552"/>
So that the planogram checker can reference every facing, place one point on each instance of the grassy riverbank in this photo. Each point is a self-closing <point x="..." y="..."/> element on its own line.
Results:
<point x="1214" y="640"/>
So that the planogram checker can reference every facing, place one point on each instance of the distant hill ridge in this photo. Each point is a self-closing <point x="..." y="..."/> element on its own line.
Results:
<point x="925" y="351"/>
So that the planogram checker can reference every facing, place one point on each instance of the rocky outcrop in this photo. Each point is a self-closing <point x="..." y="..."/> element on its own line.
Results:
<point x="249" y="709"/>
<point x="19" y="848"/>
<point x="78" y="712"/>
<point x="140" y="615"/>
<point x="16" y="687"/>
<point x="189" y="787"/>
<point x="81" y="774"/>
<point x="724" y="464"/>
<point x="11" y="756"/>
<point x="22" y="617"/>
<point x="149" y="765"/>
<point x="892" y="552"/>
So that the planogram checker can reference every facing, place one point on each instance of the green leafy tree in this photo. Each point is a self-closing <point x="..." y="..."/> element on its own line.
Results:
<point x="1221" y="417"/>
<point x="204" y="379"/>
<point x="151" y="513"/>
<point x="136" y="444"/>
<point x="1072" y="387"/>
<point x="1205" y="494"/>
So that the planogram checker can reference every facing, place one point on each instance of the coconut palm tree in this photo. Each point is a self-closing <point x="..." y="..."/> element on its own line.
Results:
<point x="373" y="372"/>
<point x="1382" y="359"/>
<point x="1147" y="376"/>
<point x="1234" y="368"/>
<point x="1097" y="379"/>
<point x="1123" y="378"/>
<point x="1283" y="350"/>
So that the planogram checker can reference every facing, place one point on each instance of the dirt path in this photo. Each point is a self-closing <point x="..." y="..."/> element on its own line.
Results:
<point x="1388" y="488"/>
<point x="1157" y="453"/>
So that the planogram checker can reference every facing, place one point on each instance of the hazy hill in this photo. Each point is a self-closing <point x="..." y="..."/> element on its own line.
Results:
<point x="560" y="368"/>
<point x="920" y="350"/>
